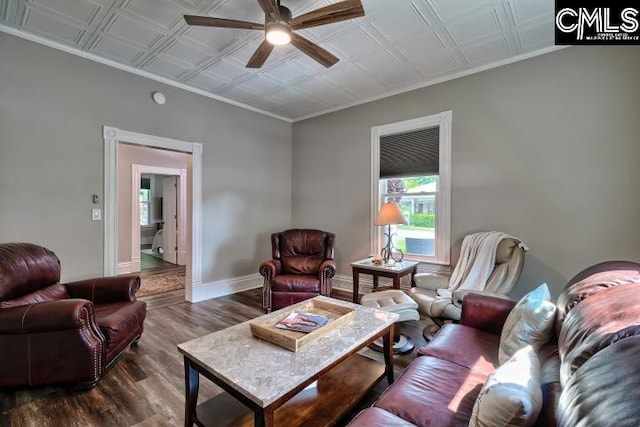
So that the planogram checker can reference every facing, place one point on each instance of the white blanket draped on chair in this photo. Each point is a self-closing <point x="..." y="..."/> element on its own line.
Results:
<point x="476" y="262"/>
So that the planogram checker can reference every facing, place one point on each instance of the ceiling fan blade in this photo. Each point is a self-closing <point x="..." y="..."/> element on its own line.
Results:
<point x="336" y="12"/>
<point x="207" y="21"/>
<point x="270" y="9"/>
<point x="313" y="50"/>
<point x="260" y="55"/>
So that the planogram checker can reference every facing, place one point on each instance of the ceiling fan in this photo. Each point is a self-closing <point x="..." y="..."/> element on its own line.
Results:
<point x="279" y="28"/>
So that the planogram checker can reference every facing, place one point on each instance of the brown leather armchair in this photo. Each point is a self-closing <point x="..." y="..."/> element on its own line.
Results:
<point x="301" y="268"/>
<point x="61" y="334"/>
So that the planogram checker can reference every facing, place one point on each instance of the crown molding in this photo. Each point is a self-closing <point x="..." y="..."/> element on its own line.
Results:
<point x="74" y="51"/>
<point x="435" y="81"/>
<point x="133" y="70"/>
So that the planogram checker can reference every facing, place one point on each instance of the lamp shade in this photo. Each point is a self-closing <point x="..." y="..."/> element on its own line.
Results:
<point x="390" y="213"/>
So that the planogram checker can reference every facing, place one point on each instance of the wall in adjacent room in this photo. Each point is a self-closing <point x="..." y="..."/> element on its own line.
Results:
<point x="545" y="149"/>
<point x="53" y="106"/>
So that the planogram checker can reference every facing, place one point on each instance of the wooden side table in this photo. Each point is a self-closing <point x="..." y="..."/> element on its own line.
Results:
<point x="395" y="271"/>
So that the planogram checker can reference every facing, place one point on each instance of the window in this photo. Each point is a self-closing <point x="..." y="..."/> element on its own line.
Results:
<point x="145" y="206"/>
<point x="416" y="196"/>
<point x="411" y="167"/>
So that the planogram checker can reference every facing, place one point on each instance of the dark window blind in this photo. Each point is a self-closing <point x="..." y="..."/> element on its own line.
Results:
<point x="145" y="183"/>
<point x="412" y="153"/>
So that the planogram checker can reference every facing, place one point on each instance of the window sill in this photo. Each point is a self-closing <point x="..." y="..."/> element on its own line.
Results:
<point x="424" y="260"/>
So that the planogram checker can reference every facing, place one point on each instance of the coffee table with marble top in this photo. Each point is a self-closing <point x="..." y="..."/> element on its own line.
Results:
<point x="267" y="385"/>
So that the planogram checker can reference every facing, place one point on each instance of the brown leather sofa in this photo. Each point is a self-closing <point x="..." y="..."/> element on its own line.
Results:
<point x="590" y="374"/>
<point x="61" y="334"/>
<point x="301" y="268"/>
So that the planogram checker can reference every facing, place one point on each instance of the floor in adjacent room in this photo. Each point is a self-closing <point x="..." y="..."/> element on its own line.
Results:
<point x="145" y="387"/>
<point x="158" y="276"/>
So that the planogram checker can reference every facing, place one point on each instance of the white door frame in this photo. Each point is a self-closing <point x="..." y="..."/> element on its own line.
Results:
<point x="112" y="136"/>
<point x="136" y="171"/>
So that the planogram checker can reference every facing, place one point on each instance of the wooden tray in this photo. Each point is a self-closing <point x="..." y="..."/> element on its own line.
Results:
<point x="264" y="327"/>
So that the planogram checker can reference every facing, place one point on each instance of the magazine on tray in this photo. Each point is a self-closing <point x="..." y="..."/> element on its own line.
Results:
<point x="303" y="322"/>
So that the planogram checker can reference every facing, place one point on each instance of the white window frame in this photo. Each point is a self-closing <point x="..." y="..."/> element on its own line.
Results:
<point x="148" y="203"/>
<point x="443" y="204"/>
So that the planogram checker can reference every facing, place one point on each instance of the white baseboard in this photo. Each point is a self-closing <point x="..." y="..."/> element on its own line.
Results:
<point x="124" y="267"/>
<point x="224" y="287"/>
<point x="127" y="267"/>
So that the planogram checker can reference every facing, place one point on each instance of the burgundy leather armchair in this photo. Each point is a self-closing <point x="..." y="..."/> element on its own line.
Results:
<point x="301" y="268"/>
<point x="61" y="334"/>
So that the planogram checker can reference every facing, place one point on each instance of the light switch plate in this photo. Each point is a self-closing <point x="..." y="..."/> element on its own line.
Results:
<point x="96" y="214"/>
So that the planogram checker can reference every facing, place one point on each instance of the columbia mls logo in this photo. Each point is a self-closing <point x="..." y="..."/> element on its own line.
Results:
<point x="597" y="22"/>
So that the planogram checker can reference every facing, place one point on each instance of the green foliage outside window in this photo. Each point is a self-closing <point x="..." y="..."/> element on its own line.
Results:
<point x="422" y="220"/>
<point x="418" y="181"/>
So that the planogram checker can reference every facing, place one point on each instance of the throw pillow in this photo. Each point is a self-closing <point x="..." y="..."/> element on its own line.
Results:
<point x="512" y="395"/>
<point x="531" y="322"/>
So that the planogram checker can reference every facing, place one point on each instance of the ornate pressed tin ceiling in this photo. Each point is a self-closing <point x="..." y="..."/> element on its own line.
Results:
<point x="397" y="46"/>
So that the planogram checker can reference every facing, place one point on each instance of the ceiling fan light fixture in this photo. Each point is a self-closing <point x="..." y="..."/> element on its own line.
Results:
<point x="278" y="34"/>
<point x="280" y="28"/>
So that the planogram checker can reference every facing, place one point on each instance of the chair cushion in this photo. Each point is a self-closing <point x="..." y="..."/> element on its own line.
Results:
<point x="24" y="268"/>
<point x="480" y="348"/>
<point x="120" y="323"/>
<point x="531" y="322"/>
<point x="511" y="396"/>
<point x="376" y="417"/>
<point x="429" y="303"/>
<point x="433" y="392"/>
<point x="285" y="299"/>
<point x="609" y="316"/>
<point x="593" y="280"/>
<point x="295" y="283"/>
<point x="392" y="300"/>
<point x="308" y="264"/>
<point x="50" y="293"/>
<point x="597" y="395"/>
<point x="301" y="251"/>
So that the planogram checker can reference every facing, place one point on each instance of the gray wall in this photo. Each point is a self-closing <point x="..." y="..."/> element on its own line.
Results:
<point x="52" y="109"/>
<point x="545" y="149"/>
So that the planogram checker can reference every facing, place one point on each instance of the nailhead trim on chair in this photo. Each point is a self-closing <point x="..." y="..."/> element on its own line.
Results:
<point x="96" y="344"/>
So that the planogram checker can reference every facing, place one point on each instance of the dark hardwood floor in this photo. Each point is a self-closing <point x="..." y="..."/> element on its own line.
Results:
<point x="145" y="386"/>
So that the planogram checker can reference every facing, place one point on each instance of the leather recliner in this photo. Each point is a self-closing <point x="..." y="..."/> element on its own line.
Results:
<point x="301" y="268"/>
<point x="509" y="261"/>
<point x="61" y="334"/>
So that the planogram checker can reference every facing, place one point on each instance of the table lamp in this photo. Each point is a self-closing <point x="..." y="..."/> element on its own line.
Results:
<point x="390" y="214"/>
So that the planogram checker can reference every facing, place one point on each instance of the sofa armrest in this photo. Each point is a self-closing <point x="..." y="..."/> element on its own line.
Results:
<point x="46" y="316"/>
<point x="104" y="290"/>
<point x="270" y="269"/>
<point x="485" y="312"/>
<point x="458" y="295"/>
<point x="431" y="281"/>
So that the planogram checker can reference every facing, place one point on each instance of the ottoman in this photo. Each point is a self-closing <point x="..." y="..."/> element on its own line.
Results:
<point x="395" y="301"/>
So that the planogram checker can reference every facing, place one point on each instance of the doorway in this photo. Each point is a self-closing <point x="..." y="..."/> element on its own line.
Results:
<point x="159" y="198"/>
<point x="193" y="246"/>
<point x="159" y="213"/>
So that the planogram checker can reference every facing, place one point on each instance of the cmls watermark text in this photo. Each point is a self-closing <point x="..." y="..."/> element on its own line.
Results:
<point x="596" y="25"/>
